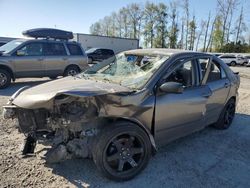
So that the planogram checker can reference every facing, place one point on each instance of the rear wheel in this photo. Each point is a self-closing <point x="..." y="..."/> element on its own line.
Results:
<point x="122" y="151"/>
<point x="71" y="71"/>
<point x="244" y="64"/>
<point x="5" y="79"/>
<point x="226" y="116"/>
<point x="233" y="63"/>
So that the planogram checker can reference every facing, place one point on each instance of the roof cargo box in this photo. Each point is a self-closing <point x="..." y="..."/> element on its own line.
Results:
<point x="48" y="33"/>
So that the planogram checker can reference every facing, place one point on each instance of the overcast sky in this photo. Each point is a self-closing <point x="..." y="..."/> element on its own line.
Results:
<point x="77" y="15"/>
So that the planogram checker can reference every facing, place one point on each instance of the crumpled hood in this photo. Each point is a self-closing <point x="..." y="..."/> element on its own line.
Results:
<point x="41" y="96"/>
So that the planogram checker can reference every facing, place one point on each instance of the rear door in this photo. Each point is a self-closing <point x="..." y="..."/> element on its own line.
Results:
<point x="77" y="56"/>
<point x="56" y="58"/>
<point x="177" y="115"/>
<point x="29" y="60"/>
<point x="216" y="79"/>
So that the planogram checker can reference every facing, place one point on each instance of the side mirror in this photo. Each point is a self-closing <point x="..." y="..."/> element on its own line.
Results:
<point x="172" y="87"/>
<point x="20" y="53"/>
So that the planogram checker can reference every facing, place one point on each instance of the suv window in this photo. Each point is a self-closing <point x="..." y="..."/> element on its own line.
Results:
<point x="216" y="71"/>
<point x="107" y="52"/>
<point x="74" y="49"/>
<point x="182" y="74"/>
<point x="54" y="49"/>
<point x="33" y="49"/>
<point x="228" y="56"/>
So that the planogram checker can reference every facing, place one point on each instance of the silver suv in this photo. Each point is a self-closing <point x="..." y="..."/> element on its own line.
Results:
<point x="23" y="58"/>
<point x="233" y="60"/>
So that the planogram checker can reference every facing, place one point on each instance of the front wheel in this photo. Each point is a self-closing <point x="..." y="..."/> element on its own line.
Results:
<point x="122" y="151"/>
<point x="233" y="63"/>
<point x="226" y="116"/>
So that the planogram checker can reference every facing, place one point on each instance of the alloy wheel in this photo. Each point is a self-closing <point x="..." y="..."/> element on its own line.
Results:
<point x="124" y="154"/>
<point x="3" y="79"/>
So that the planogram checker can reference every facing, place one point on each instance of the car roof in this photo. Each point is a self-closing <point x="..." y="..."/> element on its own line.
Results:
<point x="161" y="51"/>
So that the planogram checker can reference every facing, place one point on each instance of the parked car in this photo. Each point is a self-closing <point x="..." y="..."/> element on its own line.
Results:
<point x="23" y="58"/>
<point x="248" y="60"/>
<point x="233" y="60"/>
<point x="99" y="54"/>
<point x="117" y="113"/>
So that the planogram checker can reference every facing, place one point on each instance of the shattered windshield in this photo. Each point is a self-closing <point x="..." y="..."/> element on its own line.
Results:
<point x="129" y="70"/>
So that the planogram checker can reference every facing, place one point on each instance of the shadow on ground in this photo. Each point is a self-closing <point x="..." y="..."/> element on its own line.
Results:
<point x="17" y="85"/>
<point x="209" y="158"/>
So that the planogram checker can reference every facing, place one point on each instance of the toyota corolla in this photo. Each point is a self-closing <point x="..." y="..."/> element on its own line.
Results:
<point x="118" y="112"/>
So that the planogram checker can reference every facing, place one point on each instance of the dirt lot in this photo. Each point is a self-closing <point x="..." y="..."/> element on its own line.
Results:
<point x="209" y="158"/>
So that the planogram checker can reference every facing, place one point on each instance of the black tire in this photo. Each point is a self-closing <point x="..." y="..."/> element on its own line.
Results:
<point x="233" y="63"/>
<point x="53" y="77"/>
<point x="226" y="116"/>
<point x="5" y="78"/>
<point x="71" y="71"/>
<point x="122" y="151"/>
<point x="244" y="64"/>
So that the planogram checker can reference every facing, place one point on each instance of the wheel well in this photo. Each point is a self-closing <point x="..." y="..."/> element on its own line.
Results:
<point x="233" y="97"/>
<point x="3" y="67"/>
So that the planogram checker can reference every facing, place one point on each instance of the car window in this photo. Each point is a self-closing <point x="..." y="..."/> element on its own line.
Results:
<point x="74" y="49"/>
<point x="216" y="71"/>
<point x="182" y="74"/>
<point x="32" y="49"/>
<point x="228" y="56"/>
<point x="54" y="49"/>
<point x="98" y="51"/>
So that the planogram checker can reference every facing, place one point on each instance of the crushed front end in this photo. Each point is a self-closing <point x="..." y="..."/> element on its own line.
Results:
<point x="70" y="126"/>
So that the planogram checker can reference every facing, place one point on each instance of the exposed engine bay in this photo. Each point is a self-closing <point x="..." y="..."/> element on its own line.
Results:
<point x="70" y="127"/>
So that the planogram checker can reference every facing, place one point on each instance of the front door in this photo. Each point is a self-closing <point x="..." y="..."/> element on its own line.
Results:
<point x="177" y="115"/>
<point x="29" y="60"/>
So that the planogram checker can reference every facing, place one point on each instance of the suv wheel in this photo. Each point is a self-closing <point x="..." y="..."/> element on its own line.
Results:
<point x="233" y="63"/>
<point x="244" y="64"/>
<point x="122" y="151"/>
<point x="71" y="71"/>
<point x="5" y="79"/>
<point x="226" y="116"/>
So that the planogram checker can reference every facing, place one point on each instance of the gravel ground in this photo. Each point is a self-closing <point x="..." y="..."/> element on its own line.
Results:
<point x="209" y="158"/>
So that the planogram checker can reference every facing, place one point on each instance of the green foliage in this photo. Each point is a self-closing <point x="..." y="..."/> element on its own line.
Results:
<point x="235" y="48"/>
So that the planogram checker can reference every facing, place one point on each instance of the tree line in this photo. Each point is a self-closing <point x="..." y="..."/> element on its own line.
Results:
<point x="172" y="25"/>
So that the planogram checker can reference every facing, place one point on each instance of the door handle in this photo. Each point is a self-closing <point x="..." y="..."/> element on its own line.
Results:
<point x="226" y="85"/>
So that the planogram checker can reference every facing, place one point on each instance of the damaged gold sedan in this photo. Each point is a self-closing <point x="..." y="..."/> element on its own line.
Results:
<point x="120" y="109"/>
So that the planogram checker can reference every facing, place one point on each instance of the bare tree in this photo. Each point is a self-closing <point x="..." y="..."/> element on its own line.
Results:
<point x="225" y="8"/>
<point x="200" y="33"/>
<point x="206" y="32"/>
<point x="135" y="13"/>
<point x="186" y="10"/>
<point x="240" y="25"/>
